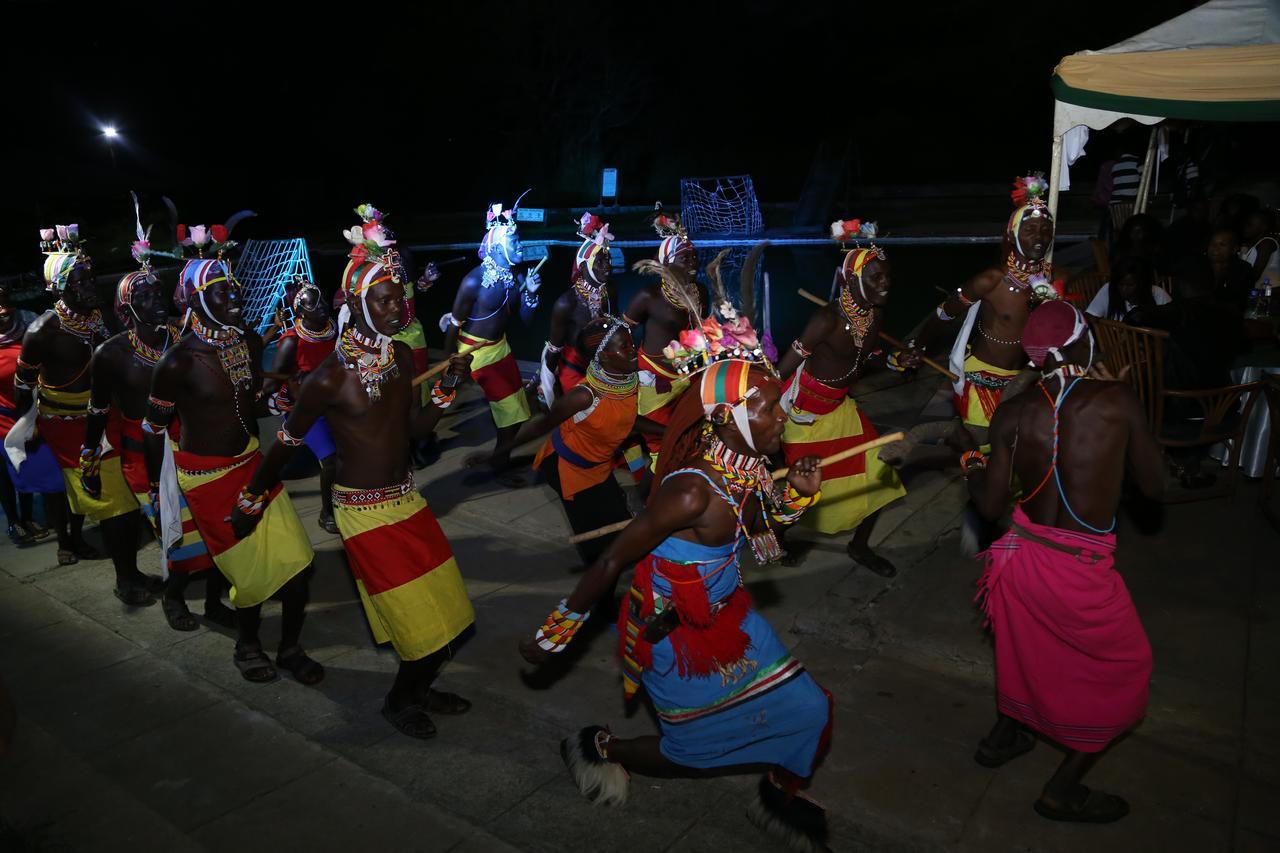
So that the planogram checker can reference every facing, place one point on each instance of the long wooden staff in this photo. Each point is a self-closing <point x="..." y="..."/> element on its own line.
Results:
<point x="777" y="475"/>
<point x="889" y="339"/>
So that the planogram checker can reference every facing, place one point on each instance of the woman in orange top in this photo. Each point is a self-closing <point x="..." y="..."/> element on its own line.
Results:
<point x="587" y="426"/>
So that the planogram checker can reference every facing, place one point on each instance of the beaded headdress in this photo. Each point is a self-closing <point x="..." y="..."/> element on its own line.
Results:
<point x="210" y="265"/>
<point x="1029" y="192"/>
<point x="372" y="261"/>
<point x="499" y="225"/>
<point x="595" y="239"/>
<point x="675" y="241"/>
<point x="855" y="259"/>
<point x="63" y="250"/>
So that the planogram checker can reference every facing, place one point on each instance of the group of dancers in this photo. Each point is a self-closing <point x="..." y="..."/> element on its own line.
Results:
<point x="161" y="420"/>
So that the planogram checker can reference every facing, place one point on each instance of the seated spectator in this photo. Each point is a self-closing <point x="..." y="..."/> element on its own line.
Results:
<point x="1232" y="277"/>
<point x="1187" y="234"/>
<point x="1132" y="286"/>
<point x="1142" y="234"/>
<point x="1205" y="334"/>
<point x="1260" y="236"/>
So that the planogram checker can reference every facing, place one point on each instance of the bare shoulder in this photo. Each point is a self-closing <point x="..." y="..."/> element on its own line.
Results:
<point x="328" y="375"/>
<point x="986" y="281"/>
<point x="113" y="348"/>
<point x="684" y="493"/>
<point x="42" y="327"/>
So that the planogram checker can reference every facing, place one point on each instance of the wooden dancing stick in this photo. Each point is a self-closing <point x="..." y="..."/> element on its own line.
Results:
<point x="889" y="339"/>
<point x="781" y="473"/>
<point x="444" y="365"/>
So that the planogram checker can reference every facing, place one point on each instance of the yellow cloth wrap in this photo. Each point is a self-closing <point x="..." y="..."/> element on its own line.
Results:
<point x="972" y="410"/>
<point x="848" y="500"/>
<point x="61" y="425"/>
<point x="265" y="560"/>
<point x="116" y="498"/>
<point x="409" y="583"/>
<point x="493" y="367"/>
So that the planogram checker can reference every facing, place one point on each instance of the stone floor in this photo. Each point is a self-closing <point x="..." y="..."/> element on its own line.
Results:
<point x="132" y="735"/>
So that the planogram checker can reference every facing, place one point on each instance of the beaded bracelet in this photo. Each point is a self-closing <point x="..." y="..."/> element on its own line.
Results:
<point x="793" y="505"/>
<point x="94" y="410"/>
<point x="250" y="504"/>
<point x="800" y="349"/>
<point x="280" y="403"/>
<point x="560" y="627"/>
<point x="531" y="300"/>
<point x="287" y="438"/>
<point x="441" y="396"/>
<point x="942" y="313"/>
<point x="973" y="460"/>
<point x="553" y="348"/>
<point x="90" y="461"/>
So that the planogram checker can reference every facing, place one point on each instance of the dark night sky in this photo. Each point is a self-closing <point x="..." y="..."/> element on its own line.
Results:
<point x="447" y="106"/>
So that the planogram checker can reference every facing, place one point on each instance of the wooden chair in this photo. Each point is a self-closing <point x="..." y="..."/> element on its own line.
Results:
<point x="1083" y="286"/>
<point x="1142" y="351"/>
<point x="1224" y="422"/>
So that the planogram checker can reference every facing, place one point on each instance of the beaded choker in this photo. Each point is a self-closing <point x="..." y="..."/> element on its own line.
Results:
<point x="328" y="333"/>
<point x="611" y="384"/>
<point x="592" y="297"/>
<point x="857" y="318"/>
<point x="674" y="297"/>
<point x="363" y="355"/>
<point x="86" y="327"/>
<point x="146" y="354"/>
<point x="1020" y="271"/>
<point x="739" y="470"/>
<point x="492" y="274"/>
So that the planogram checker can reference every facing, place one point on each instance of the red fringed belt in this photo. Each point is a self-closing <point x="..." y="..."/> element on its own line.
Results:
<point x="707" y="636"/>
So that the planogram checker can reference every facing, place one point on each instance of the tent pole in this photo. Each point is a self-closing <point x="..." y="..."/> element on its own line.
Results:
<point x="1055" y="170"/>
<point x="1145" y="185"/>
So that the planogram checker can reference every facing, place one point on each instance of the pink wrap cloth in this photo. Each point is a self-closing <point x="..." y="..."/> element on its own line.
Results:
<point x="1072" y="659"/>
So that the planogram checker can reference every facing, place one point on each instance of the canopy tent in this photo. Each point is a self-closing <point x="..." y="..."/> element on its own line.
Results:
<point x="1218" y="62"/>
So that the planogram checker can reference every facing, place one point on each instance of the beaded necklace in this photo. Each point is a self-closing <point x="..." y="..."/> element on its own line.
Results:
<point x="233" y="358"/>
<point x="744" y="473"/>
<point x="1019" y="271"/>
<point x="362" y="354"/>
<point x="996" y="340"/>
<point x="144" y="353"/>
<point x="491" y="274"/>
<point x="674" y="298"/>
<point x="611" y="385"/>
<point x="328" y="333"/>
<point x="858" y="319"/>
<point x="86" y="327"/>
<point x="593" y="297"/>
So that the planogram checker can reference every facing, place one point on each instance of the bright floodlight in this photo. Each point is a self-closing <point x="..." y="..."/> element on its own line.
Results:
<point x="110" y="132"/>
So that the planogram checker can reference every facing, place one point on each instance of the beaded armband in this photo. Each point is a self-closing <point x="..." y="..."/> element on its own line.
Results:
<point x="251" y="504"/>
<point x="799" y="347"/>
<point x="441" y="396"/>
<point x="964" y="300"/>
<point x="942" y="313"/>
<point x="25" y="376"/>
<point x="287" y="438"/>
<point x="553" y="348"/>
<point x="94" y="410"/>
<point x="558" y="630"/>
<point x="893" y="362"/>
<point x="159" y="413"/>
<point x="531" y="300"/>
<point x="793" y="505"/>
<point x="972" y="460"/>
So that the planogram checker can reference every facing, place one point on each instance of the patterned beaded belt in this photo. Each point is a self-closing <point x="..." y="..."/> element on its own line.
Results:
<point x="986" y="380"/>
<point x="368" y="497"/>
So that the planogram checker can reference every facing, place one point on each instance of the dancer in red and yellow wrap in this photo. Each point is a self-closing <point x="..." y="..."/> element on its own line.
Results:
<point x="1072" y="660"/>
<point x="122" y="369"/>
<point x="588" y="425"/>
<point x="591" y="294"/>
<point x="211" y="380"/>
<point x="487" y="298"/>
<point x="16" y="495"/>
<point x="727" y="692"/>
<point x="820" y="368"/>
<point x="409" y="582"/>
<point x="55" y="363"/>
<point x="674" y="303"/>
